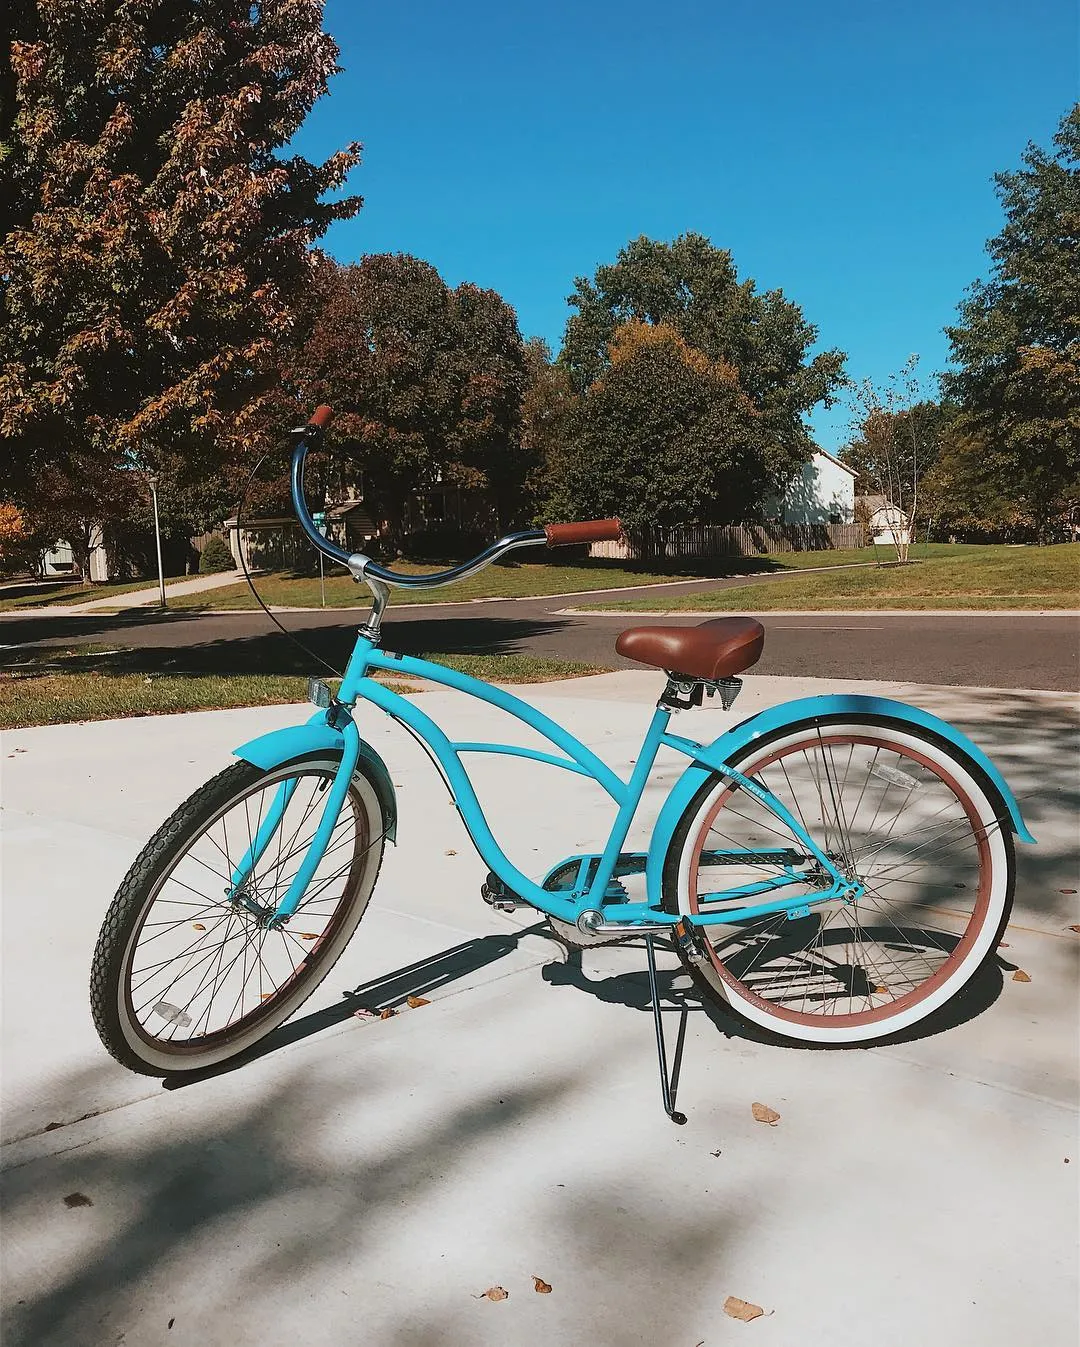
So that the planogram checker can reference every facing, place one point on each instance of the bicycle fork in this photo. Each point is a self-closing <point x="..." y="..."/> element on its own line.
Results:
<point x="239" y="890"/>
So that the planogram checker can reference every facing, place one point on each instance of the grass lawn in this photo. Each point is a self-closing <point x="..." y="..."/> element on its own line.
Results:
<point x="284" y="590"/>
<point x="64" y="595"/>
<point x="941" y="576"/>
<point x="57" y="686"/>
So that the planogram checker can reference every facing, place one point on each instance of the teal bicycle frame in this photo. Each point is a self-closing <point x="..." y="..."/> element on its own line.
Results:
<point x="584" y="891"/>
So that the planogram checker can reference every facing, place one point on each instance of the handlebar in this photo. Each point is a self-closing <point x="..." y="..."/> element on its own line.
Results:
<point x="553" y="535"/>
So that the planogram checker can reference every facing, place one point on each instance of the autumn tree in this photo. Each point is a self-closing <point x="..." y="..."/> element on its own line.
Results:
<point x="693" y="288"/>
<point x="1016" y="347"/>
<point x="662" y="436"/>
<point x="156" y="227"/>
<point x="428" y="381"/>
<point x="548" y="406"/>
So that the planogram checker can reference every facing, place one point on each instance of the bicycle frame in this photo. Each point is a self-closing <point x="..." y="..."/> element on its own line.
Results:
<point x="594" y="891"/>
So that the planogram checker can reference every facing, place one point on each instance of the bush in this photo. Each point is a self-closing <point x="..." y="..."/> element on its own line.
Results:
<point x="216" y="557"/>
<point x="444" y="543"/>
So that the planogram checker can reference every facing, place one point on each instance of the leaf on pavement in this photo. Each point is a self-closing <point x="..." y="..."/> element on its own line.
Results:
<point x="540" y="1286"/>
<point x="764" y="1114"/>
<point x="451" y="853"/>
<point x="493" y="1293"/>
<point x="77" y="1200"/>
<point x="197" y="926"/>
<point x="308" y="935"/>
<point x="414" y="1002"/>
<point x="881" y="991"/>
<point x="1020" y="976"/>
<point x="742" y="1309"/>
<point x="1075" y="928"/>
<point x="388" y="1013"/>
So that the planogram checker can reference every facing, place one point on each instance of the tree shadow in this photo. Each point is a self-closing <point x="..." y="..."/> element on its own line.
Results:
<point x="269" y="652"/>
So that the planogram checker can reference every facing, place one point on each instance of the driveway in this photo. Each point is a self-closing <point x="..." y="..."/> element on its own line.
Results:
<point x="365" y="1181"/>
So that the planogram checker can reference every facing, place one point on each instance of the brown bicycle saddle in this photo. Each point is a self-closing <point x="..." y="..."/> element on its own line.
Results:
<point x="719" y="648"/>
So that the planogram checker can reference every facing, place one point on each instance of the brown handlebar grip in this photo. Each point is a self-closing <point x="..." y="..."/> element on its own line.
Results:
<point x="321" y="417"/>
<point x="589" y="531"/>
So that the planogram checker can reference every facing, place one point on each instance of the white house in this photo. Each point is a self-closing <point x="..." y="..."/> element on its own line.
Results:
<point x="822" y="493"/>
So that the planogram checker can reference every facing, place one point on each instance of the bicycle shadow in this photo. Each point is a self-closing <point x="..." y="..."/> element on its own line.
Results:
<point x="388" y="992"/>
<point x="679" y="995"/>
<point x="436" y="972"/>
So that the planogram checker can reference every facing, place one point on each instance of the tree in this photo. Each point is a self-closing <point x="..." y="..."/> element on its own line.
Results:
<point x="693" y="288"/>
<point x="1017" y="345"/>
<point x="897" y="434"/>
<point x="548" y="406"/>
<point x="156" y="232"/>
<point x="428" y="381"/>
<point x="665" y="435"/>
<point x="78" y="503"/>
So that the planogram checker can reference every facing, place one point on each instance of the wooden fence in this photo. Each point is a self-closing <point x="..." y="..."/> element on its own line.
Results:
<point x="731" y="540"/>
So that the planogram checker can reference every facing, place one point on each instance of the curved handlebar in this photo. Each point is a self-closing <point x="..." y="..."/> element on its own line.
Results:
<point x="554" y="535"/>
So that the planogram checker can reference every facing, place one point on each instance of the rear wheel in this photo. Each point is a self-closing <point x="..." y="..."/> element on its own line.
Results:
<point x="893" y="807"/>
<point x="187" y="974"/>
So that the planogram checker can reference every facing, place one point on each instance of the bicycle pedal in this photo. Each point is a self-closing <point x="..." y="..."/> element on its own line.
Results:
<point x="495" y="893"/>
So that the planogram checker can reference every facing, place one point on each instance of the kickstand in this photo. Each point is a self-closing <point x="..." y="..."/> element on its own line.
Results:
<point x="667" y="1082"/>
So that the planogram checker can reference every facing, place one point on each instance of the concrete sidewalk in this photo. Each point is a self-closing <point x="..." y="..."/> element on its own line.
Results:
<point x="362" y="1183"/>
<point x="139" y="598"/>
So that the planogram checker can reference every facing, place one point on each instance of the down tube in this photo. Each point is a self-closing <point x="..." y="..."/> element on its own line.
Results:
<point x="401" y="708"/>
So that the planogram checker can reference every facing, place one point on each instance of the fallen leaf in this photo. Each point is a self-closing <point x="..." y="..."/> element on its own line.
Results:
<point x="540" y="1286"/>
<point x="1075" y="928"/>
<point x="363" y="1014"/>
<point x="415" y="1002"/>
<point x="714" y="1154"/>
<point x="266" y="996"/>
<point x="881" y="991"/>
<point x="1066" y="890"/>
<point x="742" y="1309"/>
<point x="1020" y="976"/>
<point x="388" y="1013"/>
<point x="451" y="853"/>
<point x="77" y="1200"/>
<point x="197" y="926"/>
<point x="308" y="935"/>
<point x="1003" y="944"/>
<point x="763" y="1113"/>
<point x="493" y="1293"/>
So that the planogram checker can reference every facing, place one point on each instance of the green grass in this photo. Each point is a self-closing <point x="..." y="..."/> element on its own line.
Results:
<point x="943" y="576"/>
<point x="58" y="687"/>
<point x="65" y="595"/>
<point x="284" y="590"/>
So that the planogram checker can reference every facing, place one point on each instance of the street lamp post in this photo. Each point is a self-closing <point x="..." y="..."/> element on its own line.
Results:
<point x="152" y="479"/>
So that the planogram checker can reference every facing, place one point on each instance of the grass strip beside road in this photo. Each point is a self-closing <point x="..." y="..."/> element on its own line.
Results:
<point x="60" y="687"/>
<point x="286" y="590"/>
<point x="66" y="596"/>
<point x="941" y="577"/>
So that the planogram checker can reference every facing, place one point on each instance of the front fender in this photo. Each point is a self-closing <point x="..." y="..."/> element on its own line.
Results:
<point x="723" y="749"/>
<point x="296" y="741"/>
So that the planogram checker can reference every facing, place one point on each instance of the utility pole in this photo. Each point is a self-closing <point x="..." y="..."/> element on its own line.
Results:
<point x="152" y="479"/>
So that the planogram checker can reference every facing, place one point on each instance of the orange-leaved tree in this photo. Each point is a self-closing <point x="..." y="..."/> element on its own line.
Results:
<point x="156" y="229"/>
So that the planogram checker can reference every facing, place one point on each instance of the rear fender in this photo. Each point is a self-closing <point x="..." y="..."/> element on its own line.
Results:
<point x="721" y="751"/>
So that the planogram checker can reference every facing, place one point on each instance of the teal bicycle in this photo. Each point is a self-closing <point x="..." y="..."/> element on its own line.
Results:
<point x="832" y="870"/>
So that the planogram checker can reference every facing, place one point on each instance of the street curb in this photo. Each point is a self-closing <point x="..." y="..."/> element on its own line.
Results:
<point x="766" y="613"/>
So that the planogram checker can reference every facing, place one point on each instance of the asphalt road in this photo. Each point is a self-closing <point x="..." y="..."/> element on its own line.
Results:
<point x="1013" y="650"/>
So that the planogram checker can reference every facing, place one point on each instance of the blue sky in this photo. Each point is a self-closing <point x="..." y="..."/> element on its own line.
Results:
<point x="843" y="151"/>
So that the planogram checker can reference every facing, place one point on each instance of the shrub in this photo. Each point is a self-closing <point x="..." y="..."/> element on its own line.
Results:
<point x="216" y="557"/>
<point x="444" y="543"/>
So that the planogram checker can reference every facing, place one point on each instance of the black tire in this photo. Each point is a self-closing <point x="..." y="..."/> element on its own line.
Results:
<point x="802" y="957"/>
<point x="116" y="1017"/>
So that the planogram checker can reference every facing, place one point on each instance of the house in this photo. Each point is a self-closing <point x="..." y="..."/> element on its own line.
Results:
<point x="60" y="560"/>
<point x="278" y="543"/>
<point x="822" y="493"/>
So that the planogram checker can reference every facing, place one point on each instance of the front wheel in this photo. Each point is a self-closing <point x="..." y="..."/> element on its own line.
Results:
<point x="892" y="806"/>
<point x="188" y="971"/>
